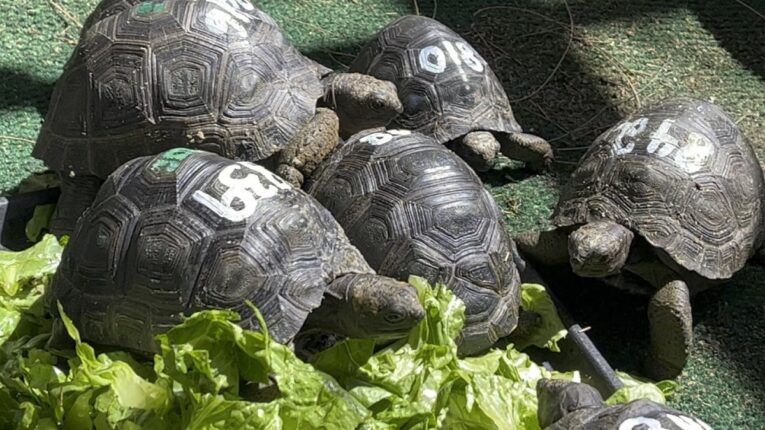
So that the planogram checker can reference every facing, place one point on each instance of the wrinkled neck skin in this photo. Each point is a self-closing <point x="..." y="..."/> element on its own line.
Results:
<point x="361" y="102"/>
<point x="657" y="268"/>
<point x="332" y="315"/>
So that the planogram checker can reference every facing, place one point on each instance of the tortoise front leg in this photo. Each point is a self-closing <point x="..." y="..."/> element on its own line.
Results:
<point x="312" y="144"/>
<point x="535" y="151"/>
<point x="479" y="149"/>
<point x="77" y="194"/>
<point x="670" y="320"/>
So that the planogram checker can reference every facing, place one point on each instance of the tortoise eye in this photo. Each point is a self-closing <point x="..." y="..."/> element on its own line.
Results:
<point x="394" y="317"/>
<point x="377" y="104"/>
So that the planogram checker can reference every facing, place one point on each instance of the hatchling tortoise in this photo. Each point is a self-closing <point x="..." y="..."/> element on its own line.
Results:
<point x="672" y="197"/>
<point x="449" y="92"/>
<point x="411" y="206"/>
<point x="565" y="405"/>
<point x="189" y="230"/>
<point x="209" y="74"/>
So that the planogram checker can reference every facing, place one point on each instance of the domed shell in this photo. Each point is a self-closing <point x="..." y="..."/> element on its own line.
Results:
<point x="446" y="87"/>
<point x="413" y="207"/>
<point x="176" y="73"/>
<point x="680" y="174"/>
<point x="107" y="8"/>
<point x="189" y="230"/>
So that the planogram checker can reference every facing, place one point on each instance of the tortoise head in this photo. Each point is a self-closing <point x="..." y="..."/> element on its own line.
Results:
<point x="377" y="307"/>
<point x="599" y="249"/>
<point x="558" y="398"/>
<point x="361" y="101"/>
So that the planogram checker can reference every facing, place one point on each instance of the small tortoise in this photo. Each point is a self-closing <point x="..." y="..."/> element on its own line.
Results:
<point x="565" y="405"/>
<point x="411" y="206"/>
<point x="189" y="230"/>
<point x="672" y="197"/>
<point x="449" y="92"/>
<point x="216" y="75"/>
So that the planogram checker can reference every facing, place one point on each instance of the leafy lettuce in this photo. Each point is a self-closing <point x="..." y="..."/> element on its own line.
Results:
<point x="212" y="374"/>
<point x="421" y="383"/>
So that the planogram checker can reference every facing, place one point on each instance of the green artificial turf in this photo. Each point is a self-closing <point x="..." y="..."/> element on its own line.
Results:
<point x="572" y="70"/>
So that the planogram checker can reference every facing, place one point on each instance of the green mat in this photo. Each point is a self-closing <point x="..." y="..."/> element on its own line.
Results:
<point x="572" y="69"/>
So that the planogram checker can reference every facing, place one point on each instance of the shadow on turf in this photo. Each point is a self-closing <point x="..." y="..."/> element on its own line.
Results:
<point x="18" y="89"/>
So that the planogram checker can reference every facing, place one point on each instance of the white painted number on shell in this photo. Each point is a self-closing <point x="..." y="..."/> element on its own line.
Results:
<point x="690" y="155"/>
<point x="688" y="423"/>
<point x="434" y="59"/>
<point x="219" y="20"/>
<point x="662" y="141"/>
<point x="382" y="138"/>
<point x="682" y="422"/>
<point x="235" y="4"/>
<point x="247" y="191"/>
<point x="628" y="129"/>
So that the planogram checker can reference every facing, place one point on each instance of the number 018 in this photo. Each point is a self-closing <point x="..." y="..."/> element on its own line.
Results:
<point x="434" y="58"/>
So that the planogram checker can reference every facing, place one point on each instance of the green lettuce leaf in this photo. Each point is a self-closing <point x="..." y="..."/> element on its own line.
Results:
<point x="421" y="382"/>
<point x="23" y="276"/>
<point x="637" y="388"/>
<point x="209" y="354"/>
<point x="40" y="221"/>
<point x="549" y="329"/>
<point x="212" y="374"/>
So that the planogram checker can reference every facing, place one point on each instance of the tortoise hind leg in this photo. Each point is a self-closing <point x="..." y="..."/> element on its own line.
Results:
<point x="77" y="194"/>
<point x="535" y="151"/>
<point x="669" y="317"/>
<point x="312" y="144"/>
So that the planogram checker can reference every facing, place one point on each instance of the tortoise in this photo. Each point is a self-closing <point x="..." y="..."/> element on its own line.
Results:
<point x="565" y="405"/>
<point x="666" y="203"/>
<point x="411" y="206"/>
<point x="216" y="75"/>
<point x="449" y="92"/>
<point x="189" y="230"/>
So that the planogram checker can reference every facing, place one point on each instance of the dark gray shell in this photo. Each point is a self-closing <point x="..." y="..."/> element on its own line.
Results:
<point x="413" y="207"/>
<point x="567" y="405"/>
<point x="176" y="73"/>
<point x="155" y="245"/>
<point x="107" y="8"/>
<point x="638" y="414"/>
<point x="693" y="189"/>
<point x="443" y="96"/>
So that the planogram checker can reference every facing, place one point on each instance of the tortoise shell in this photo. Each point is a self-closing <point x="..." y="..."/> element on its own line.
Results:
<point x="176" y="73"/>
<point x="566" y="405"/>
<point x="189" y="230"/>
<point x="446" y="87"/>
<point x="413" y="207"/>
<point x="107" y="8"/>
<point x="682" y="176"/>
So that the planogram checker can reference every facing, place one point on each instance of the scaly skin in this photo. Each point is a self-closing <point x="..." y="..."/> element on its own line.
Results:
<point x="604" y="249"/>
<point x="535" y="151"/>
<point x="479" y="149"/>
<point x="670" y="320"/>
<point x="599" y="249"/>
<point x="308" y="148"/>
<point x="367" y="306"/>
<point x="360" y="101"/>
